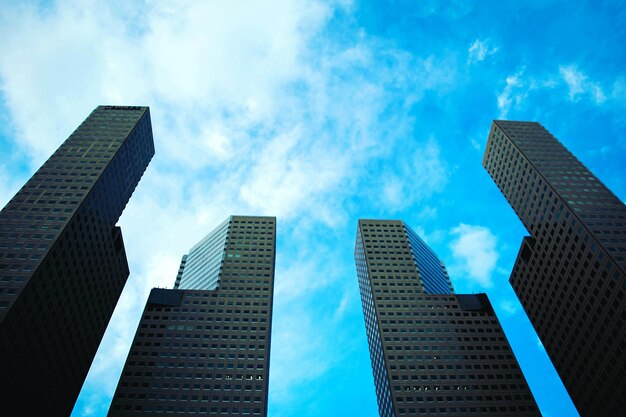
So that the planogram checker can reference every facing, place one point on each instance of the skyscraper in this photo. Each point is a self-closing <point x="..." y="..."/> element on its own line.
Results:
<point x="433" y="352"/>
<point x="62" y="259"/>
<point x="570" y="272"/>
<point x="203" y="348"/>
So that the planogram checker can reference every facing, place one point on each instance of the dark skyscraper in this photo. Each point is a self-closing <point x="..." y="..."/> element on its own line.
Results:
<point x="203" y="348"/>
<point x="570" y="272"/>
<point x="62" y="260"/>
<point x="433" y="352"/>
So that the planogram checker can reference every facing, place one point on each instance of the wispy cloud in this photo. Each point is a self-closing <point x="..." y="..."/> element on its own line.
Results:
<point x="476" y="145"/>
<point x="509" y="306"/>
<point x="416" y="176"/>
<point x="252" y="114"/>
<point x="298" y="339"/>
<point x="9" y="185"/>
<point x="345" y="301"/>
<point x="479" y="50"/>
<point x="427" y="213"/>
<point x="303" y="274"/>
<point x="453" y="9"/>
<point x="186" y="59"/>
<point x="618" y="91"/>
<point x="475" y="255"/>
<point x="279" y="181"/>
<point x="521" y="85"/>
<point x="290" y="108"/>
<point x="580" y="86"/>
<point x="513" y="93"/>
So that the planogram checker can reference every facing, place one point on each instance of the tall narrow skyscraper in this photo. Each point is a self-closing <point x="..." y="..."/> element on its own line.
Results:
<point x="433" y="352"/>
<point x="570" y="272"/>
<point x="203" y="348"/>
<point x="62" y="260"/>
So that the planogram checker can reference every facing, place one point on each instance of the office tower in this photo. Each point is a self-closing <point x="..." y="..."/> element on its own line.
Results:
<point x="62" y="260"/>
<point x="203" y="348"/>
<point x="433" y="352"/>
<point x="569" y="273"/>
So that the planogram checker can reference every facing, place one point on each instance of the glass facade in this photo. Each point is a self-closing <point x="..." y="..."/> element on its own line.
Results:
<point x="432" y="271"/>
<point x="203" y="264"/>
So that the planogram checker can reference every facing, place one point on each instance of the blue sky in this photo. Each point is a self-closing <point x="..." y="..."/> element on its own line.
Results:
<point x="318" y="113"/>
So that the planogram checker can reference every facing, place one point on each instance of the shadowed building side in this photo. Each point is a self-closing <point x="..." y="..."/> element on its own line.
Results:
<point x="433" y="352"/>
<point x="62" y="260"/>
<point x="570" y="272"/>
<point x="203" y="348"/>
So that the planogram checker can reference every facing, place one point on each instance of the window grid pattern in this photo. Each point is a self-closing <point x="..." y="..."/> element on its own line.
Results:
<point x="569" y="273"/>
<point x="372" y="329"/>
<point x="209" y="354"/>
<point x="439" y="353"/>
<point x="62" y="259"/>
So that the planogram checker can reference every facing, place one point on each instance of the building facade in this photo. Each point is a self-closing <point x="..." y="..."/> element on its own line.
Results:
<point x="433" y="352"/>
<point x="203" y="347"/>
<point x="570" y="271"/>
<point x="62" y="260"/>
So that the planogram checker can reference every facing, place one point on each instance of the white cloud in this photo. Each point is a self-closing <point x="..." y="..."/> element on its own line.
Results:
<point x="427" y="213"/>
<point x="574" y="80"/>
<point x="419" y="174"/>
<point x="512" y="94"/>
<point x="519" y="85"/>
<point x="246" y="120"/>
<point x="618" y="91"/>
<point x="298" y="339"/>
<point x="289" y="172"/>
<point x="9" y="185"/>
<point x="474" y="250"/>
<point x="509" y="307"/>
<point x="434" y="237"/>
<point x="579" y="85"/>
<point x="344" y="303"/>
<point x="479" y="50"/>
<point x="302" y="275"/>
<point x="195" y="56"/>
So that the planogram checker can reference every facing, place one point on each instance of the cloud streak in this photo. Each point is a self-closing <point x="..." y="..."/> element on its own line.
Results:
<point x="479" y="50"/>
<point x="579" y="85"/>
<point x="475" y="254"/>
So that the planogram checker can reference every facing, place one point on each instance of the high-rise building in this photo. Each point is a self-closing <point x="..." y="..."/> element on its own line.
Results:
<point x="62" y="260"/>
<point x="433" y="352"/>
<point x="570" y="272"/>
<point x="203" y="348"/>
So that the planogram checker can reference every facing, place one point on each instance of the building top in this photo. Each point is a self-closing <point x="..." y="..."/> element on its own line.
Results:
<point x="536" y="172"/>
<point x="431" y="271"/>
<point x="200" y="269"/>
